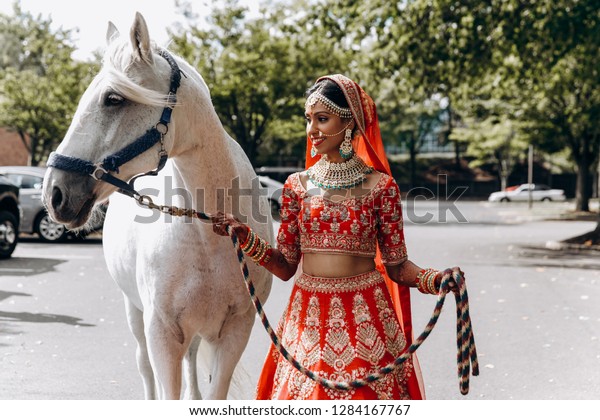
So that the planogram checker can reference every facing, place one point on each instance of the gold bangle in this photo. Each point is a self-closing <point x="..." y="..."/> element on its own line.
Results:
<point x="250" y="242"/>
<point x="420" y="281"/>
<point x="431" y="283"/>
<point x="267" y="257"/>
<point x="261" y="251"/>
<point x="426" y="281"/>
<point x="243" y="244"/>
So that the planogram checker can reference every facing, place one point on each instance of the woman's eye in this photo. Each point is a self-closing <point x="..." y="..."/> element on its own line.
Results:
<point x="112" y="99"/>
<point x="322" y="119"/>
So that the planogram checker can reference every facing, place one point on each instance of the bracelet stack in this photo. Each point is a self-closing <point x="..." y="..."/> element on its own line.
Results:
<point x="426" y="281"/>
<point x="257" y="248"/>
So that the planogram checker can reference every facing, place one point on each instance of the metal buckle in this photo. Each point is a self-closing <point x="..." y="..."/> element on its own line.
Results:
<point x="98" y="169"/>
<point x="171" y="100"/>
<point x="162" y="128"/>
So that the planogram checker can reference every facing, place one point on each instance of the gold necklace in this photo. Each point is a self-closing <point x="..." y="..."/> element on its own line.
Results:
<point x="338" y="176"/>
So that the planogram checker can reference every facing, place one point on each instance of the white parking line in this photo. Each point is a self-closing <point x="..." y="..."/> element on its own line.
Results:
<point x="55" y="256"/>
<point x="19" y="270"/>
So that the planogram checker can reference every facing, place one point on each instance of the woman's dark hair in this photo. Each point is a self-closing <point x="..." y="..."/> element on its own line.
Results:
<point x="330" y="90"/>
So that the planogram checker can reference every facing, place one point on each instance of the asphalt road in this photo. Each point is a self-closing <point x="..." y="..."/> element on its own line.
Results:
<point x="535" y="311"/>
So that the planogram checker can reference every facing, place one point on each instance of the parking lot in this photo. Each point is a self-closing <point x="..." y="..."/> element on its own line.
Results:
<point x="63" y="333"/>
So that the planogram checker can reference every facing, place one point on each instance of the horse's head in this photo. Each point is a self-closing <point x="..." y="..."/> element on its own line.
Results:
<point x="123" y="102"/>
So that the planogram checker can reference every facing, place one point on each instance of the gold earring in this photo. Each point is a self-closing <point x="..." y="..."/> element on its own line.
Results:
<point x="346" y="150"/>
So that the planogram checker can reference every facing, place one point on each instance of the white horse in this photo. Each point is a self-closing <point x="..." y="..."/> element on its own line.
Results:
<point x="181" y="282"/>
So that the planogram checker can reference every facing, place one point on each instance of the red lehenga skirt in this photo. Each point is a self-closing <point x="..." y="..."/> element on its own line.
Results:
<point x="342" y="329"/>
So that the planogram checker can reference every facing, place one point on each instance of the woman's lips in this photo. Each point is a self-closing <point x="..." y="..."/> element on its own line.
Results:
<point x="317" y="141"/>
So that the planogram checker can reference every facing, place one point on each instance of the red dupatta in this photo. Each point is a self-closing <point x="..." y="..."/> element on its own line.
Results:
<point x="369" y="146"/>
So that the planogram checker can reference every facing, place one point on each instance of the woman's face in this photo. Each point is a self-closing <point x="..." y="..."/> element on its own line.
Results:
<point x="320" y="123"/>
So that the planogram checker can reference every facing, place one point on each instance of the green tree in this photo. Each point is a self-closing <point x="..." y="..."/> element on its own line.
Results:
<point x="258" y="70"/>
<point x="439" y="46"/>
<point x="408" y="117"/>
<point x="39" y="82"/>
<point x="554" y="47"/>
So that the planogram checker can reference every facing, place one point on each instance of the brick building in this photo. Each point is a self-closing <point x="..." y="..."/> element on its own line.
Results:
<point x="12" y="149"/>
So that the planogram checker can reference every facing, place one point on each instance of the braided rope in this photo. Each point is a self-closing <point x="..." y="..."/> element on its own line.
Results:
<point x="466" y="352"/>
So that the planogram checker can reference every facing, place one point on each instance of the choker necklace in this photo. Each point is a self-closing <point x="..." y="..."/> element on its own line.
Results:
<point x="338" y="176"/>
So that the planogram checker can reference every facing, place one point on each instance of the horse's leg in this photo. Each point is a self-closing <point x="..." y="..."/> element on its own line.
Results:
<point x="190" y="371"/>
<point x="228" y="350"/>
<point x="135" y="320"/>
<point x="166" y="348"/>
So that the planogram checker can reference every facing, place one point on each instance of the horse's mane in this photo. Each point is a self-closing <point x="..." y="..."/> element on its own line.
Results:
<point x="117" y="60"/>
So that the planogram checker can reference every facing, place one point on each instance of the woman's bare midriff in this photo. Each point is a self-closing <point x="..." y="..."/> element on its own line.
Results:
<point x="333" y="265"/>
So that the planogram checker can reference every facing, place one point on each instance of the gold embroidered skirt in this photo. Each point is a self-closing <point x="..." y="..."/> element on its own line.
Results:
<point x="343" y="329"/>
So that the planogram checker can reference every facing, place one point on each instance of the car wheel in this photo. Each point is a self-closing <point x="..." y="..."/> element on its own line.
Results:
<point x="546" y="199"/>
<point x="504" y="200"/>
<point x="8" y="234"/>
<point x="49" y="230"/>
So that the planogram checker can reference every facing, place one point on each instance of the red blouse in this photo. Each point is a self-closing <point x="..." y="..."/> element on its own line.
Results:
<point x="353" y="226"/>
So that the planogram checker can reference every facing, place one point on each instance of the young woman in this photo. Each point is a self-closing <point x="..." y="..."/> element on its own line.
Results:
<point x="341" y="220"/>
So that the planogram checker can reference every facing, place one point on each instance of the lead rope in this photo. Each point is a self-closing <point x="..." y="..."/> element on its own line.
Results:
<point x="466" y="352"/>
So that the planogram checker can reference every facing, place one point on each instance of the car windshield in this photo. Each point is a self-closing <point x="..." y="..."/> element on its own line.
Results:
<point x="26" y="181"/>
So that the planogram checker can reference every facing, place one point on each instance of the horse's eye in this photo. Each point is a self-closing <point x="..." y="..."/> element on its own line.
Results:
<point x="112" y="99"/>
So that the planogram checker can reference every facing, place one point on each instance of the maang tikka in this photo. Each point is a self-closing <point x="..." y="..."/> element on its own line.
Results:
<point x="344" y="113"/>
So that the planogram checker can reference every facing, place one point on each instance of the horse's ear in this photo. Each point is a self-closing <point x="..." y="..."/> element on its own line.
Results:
<point x="140" y="39"/>
<point x="112" y="33"/>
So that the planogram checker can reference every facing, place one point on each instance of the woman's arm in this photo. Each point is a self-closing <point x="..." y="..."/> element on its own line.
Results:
<point x="404" y="273"/>
<point x="277" y="265"/>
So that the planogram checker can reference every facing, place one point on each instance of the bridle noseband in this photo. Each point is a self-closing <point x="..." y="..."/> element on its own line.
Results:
<point x="101" y="171"/>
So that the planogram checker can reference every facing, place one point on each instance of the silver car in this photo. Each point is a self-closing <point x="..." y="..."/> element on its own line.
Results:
<point x="35" y="218"/>
<point x="539" y="192"/>
<point x="274" y="189"/>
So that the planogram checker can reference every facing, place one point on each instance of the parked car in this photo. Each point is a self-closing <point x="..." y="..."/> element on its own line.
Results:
<point x="274" y="190"/>
<point x="539" y="192"/>
<point x="10" y="216"/>
<point x="35" y="217"/>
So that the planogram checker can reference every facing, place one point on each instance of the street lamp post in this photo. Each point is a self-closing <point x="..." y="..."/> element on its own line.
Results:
<point x="530" y="175"/>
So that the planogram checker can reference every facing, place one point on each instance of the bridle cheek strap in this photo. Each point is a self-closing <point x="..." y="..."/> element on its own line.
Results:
<point x="101" y="171"/>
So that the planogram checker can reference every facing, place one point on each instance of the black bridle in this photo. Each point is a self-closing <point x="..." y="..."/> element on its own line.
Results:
<point x="101" y="171"/>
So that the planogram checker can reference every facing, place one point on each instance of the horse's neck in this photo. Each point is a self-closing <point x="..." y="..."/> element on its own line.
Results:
<point x="205" y="162"/>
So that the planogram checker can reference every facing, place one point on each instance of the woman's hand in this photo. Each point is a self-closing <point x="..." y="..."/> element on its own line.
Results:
<point x="221" y="221"/>
<point x="451" y="284"/>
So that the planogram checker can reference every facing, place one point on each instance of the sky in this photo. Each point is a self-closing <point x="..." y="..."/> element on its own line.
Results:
<point x="90" y="18"/>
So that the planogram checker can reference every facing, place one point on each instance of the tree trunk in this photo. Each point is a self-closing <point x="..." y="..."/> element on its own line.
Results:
<point x="413" y="163"/>
<point x="449" y="132"/>
<point x="582" y="194"/>
<point x="589" y="238"/>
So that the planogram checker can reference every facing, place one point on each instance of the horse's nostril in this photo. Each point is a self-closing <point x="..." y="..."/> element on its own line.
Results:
<point x="57" y="197"/>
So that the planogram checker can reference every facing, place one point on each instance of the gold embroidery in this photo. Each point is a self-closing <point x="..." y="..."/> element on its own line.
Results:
<point x="326" y="214"/>
<point x="368" y="108"/>
<point x="360" y="310"/>
<point x="335" y="226"/>
<point x="354" y="345"/>
<point x="387" y="207"/>
<point x="314" y="227"/>
<point x="311" y="335"/>
<point x="394" y="338"/>
<point x="337" y="285"/>
<point x="338" y="351"/>
<point x="354" y="227"/>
